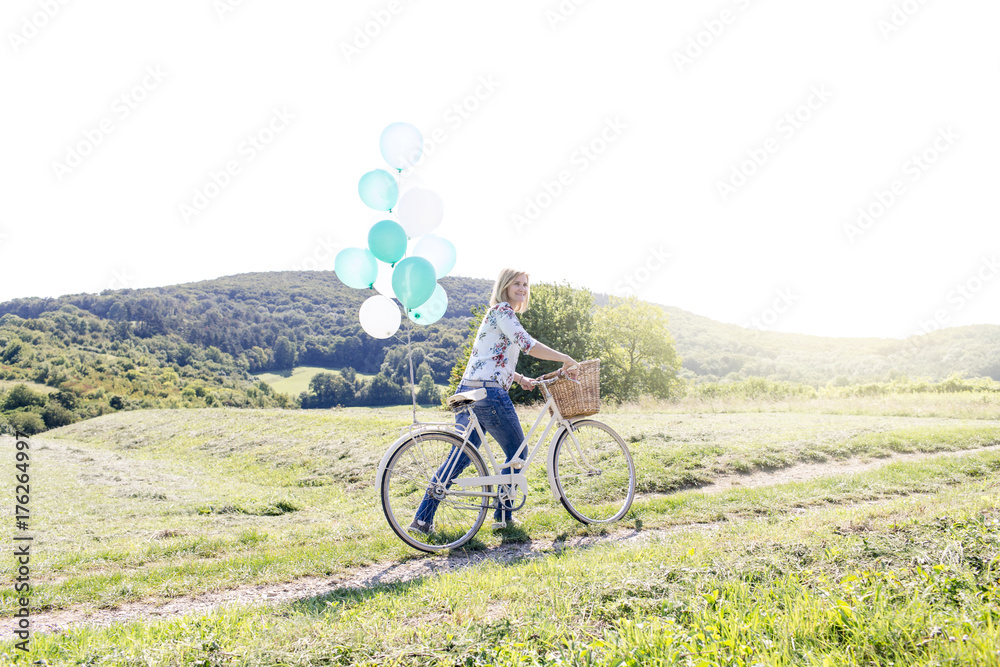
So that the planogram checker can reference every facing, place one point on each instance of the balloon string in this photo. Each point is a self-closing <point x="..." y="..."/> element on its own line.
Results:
<point x="413" y="389"/>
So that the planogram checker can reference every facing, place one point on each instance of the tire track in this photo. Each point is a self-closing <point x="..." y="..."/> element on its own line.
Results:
<point x="387" y="573"/>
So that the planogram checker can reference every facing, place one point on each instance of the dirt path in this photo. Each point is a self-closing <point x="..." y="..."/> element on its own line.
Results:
<point x="805" y="472"/>
<point x="406" y="570"/>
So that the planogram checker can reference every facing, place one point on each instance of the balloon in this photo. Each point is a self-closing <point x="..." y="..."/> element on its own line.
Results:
<point x="431" y="310"/>
<point x="438" y="251"/>
<point x="383" y="284"/>
<point x="378" y="190"/>
<point x="356" y="267"/>
<point x="387" y="241"/>
<point x="413" y="281"/>
<point x="420" y="211"/>
<point x="379" y="316"/>
<point x="401" y="145"/>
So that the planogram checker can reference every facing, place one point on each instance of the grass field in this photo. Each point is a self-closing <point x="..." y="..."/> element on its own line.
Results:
<point x="296" y="381"/>
<point x="34" y="386"/>
<point x="895" y="565"/>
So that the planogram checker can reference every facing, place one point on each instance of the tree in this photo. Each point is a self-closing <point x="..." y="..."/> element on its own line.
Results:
<point x="29" y="423"/>
<point x="68" y="399"/>
<point x="21" y="396"/>
<point x="561" y="317"/>
<point x="284" y="353"/>
<point x="383" y="391"/>
<point x="427" y="392"/>
<point x="117" y="312"/>
<point x="55" y="415"/>
<point x="327" y="390"/>
<point x="636" y="350"/>
<point x="11" y="353"/>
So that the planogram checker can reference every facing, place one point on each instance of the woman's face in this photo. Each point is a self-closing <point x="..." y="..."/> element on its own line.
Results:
<point x="517" y="291"/>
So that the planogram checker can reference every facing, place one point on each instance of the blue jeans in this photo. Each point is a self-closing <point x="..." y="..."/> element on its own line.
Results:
<point x="496" y="415"/>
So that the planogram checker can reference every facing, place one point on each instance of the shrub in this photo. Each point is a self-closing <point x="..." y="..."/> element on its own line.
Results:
<point x="55" y="415"/>
<point x="21" y="396"/>
<point x="29" y="423"/>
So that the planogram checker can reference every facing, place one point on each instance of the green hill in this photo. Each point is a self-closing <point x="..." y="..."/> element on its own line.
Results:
<point x="713" y="350"/>
<point x="203" y="344"/>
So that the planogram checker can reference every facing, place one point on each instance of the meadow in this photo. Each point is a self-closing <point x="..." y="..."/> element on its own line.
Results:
<point x="295" y="381"/>
<point x="897" y="563"/>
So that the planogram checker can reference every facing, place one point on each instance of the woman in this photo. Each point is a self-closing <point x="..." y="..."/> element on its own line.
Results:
<point x="491" y="365"/>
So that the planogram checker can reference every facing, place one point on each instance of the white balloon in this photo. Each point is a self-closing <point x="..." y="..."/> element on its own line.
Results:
<point x="401" y="145"/>
<point x="383" y="283"/>
<point x="420" y="211"/>
<point x="379" y="316"/>
<point x="438" y="251"/>
<point x="408" y="180"/>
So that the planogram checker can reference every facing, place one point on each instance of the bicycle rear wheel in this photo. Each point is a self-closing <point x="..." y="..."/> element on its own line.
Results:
<point x="410" y="474"/>
<point x="594" y="472"/>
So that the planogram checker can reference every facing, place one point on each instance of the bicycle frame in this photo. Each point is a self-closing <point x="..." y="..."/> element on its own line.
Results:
<point x="516" y="477"/>
<point x="516" y="463"/>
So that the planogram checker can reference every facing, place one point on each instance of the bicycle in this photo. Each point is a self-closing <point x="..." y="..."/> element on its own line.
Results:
<point x="590" y="471"/>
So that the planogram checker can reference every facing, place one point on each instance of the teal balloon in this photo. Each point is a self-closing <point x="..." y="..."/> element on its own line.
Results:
<point x="387" y="241"/>
<point x="356" y="267"/>
<point x="413" y="281"/>
<point x="378" y="190"/>
<point x="431" y="310"/>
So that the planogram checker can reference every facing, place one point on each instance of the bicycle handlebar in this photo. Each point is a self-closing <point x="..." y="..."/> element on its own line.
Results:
<point x="560" y="374"/>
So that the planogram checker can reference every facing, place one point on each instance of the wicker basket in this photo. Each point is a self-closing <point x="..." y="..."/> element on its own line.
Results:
<point x="578" y="400"/>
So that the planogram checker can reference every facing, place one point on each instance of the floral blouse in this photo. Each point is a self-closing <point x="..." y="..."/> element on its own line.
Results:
<point x="499" y="341"/>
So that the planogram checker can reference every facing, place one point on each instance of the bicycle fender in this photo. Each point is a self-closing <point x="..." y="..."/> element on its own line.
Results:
<point x="550" y="462"/>
<point x="400" y="440"/>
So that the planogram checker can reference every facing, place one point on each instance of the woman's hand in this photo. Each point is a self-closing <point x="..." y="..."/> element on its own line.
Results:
<point x="526" y="383"/>
<point x="570" y="368"/>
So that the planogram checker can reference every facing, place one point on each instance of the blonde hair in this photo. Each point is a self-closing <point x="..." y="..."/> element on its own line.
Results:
<point x="504" y="281"/>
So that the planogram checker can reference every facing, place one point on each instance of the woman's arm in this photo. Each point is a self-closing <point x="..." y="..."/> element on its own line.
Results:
<point x="542" y="351"/>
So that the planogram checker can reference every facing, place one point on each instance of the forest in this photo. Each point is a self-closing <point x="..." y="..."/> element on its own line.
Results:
<point x="202" y="344"/>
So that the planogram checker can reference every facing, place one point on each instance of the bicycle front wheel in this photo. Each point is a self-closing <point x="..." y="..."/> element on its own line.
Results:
<point x="418" y="472"/>
<point x="594" y="472"/>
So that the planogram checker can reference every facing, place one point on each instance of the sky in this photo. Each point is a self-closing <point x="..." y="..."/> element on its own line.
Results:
<point x="816" y="168"/>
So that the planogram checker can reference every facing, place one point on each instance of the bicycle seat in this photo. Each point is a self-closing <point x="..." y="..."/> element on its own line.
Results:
<point x="464" y="398"/>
